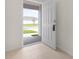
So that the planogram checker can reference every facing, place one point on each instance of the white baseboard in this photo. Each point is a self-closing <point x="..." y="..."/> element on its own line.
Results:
<point x="66" y="51"/>
<point x="12" y="49"/>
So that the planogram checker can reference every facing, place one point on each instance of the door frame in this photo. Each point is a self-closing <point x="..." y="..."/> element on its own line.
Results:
<point x="40" y="18"/>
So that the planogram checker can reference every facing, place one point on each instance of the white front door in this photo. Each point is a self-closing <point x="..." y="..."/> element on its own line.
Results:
<point x="48" y="23"/>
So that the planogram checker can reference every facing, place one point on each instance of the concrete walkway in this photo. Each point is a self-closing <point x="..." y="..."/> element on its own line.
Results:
<point x="31" y="39"/>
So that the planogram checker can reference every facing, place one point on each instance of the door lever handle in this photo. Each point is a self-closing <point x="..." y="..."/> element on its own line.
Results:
<point x="54" y="27"/>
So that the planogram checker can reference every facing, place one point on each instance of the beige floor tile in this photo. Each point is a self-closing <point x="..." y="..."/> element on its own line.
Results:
<point x="37" y="51"/>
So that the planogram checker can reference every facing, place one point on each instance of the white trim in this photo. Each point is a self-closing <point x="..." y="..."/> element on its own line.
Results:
<point x="66" y="51"/>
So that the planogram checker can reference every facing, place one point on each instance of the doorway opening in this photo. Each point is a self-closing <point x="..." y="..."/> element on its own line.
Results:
<point x="31" y="23"/>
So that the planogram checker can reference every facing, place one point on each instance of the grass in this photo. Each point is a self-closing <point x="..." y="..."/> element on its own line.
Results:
<point x="29" y="31"/>
<point x="30" y="25"/>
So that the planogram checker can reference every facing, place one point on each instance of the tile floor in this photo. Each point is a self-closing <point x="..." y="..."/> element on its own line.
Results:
<point x="37" y="51"/>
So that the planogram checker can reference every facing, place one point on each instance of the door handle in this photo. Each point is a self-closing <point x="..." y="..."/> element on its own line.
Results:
<point x="54" y="27"/>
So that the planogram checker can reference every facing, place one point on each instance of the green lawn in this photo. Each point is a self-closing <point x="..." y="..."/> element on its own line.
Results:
<point x="29" y="31"/>
<point x="30" y="25"/>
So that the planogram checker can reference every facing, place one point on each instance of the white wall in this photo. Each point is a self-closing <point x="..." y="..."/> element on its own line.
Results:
<point x="13" y="24"/>
<point x="65" y="25"/>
